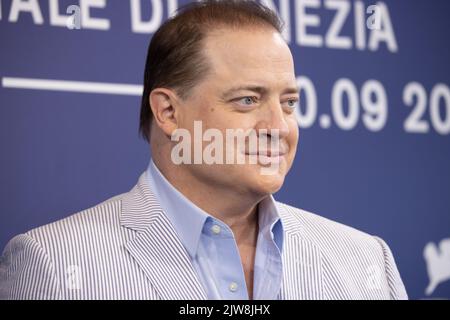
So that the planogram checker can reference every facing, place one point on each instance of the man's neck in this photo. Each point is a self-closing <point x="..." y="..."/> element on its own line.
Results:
<point x="237" y="210"/>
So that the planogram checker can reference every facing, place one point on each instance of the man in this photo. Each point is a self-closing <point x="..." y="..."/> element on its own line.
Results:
<point x="198" y="229"/>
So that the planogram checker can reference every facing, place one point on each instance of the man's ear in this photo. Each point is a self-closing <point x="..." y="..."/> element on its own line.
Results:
<point x="163" y="103"/>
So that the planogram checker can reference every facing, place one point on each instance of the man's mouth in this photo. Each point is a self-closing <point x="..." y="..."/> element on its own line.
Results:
<point x="267" y="153"/>
<point x="266" y="157"/>
<point x="271" y="153"/>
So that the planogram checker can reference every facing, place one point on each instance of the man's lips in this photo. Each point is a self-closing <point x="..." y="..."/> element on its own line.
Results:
<point x="266" y="157"/>
<point x="278" y="151"/>
<point x="267" y="153"/>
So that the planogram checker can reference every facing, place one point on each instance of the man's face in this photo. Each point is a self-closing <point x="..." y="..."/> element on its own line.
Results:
<point x="251" y="85"/>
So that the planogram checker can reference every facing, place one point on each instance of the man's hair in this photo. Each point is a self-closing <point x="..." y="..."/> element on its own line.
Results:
<point x="174" y="57"/>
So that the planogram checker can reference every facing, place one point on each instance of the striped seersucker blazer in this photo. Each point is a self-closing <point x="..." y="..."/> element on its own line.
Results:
<point x="125" y="248"/>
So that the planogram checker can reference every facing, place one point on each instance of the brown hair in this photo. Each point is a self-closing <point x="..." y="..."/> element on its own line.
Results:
<point x="174" y="57"/>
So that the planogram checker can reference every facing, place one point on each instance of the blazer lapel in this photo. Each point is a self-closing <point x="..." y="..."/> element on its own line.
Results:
<point x="302" y="262"/>
<point x="156" y="248"/>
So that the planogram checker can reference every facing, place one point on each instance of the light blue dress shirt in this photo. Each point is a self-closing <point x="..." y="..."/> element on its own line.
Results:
<point x="212" y="246"/>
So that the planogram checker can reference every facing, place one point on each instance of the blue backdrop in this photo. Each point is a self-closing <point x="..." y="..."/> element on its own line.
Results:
<point x="374" y="149"/>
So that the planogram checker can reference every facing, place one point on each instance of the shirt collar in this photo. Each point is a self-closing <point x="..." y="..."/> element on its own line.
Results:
<point x="270" y="223"/>
<point x="189" y="220"/>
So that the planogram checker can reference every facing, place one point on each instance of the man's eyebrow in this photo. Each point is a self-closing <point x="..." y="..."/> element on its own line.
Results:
<point x="259" y="89"/>
<point x="292" y="90"/>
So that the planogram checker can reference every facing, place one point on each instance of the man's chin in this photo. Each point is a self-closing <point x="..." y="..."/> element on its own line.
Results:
<point x="272" y="184"/>
<point x="268" y="183"/>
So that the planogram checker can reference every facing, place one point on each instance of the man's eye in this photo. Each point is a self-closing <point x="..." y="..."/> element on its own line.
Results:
<point x="247" y="101"/>
<point x="291" y="103"/>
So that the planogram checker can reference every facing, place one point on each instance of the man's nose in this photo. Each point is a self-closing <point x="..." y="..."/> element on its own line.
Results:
<point x="274" y="118"/>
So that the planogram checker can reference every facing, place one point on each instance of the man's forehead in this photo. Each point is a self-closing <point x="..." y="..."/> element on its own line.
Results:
<point x="256" y="62"/>
<point x="286" y="88"/>
<point x="249" y="59"/>
<point x="252" y="44"/>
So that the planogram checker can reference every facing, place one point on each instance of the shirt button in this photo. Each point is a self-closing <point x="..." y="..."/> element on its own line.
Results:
<point x="215" y="229"/>
<point x="233" y="287"/>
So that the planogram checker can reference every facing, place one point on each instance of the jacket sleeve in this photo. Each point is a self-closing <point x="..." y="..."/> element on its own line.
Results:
<point x="396" y="287"/>
<point x="26" y="272"/>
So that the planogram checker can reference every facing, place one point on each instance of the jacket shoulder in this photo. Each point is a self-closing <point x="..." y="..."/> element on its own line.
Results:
<point x="100" y="212"/>
<point x="97" y="221"/>
<point x="314" y="225"/>
<point x="363" y="259"/>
